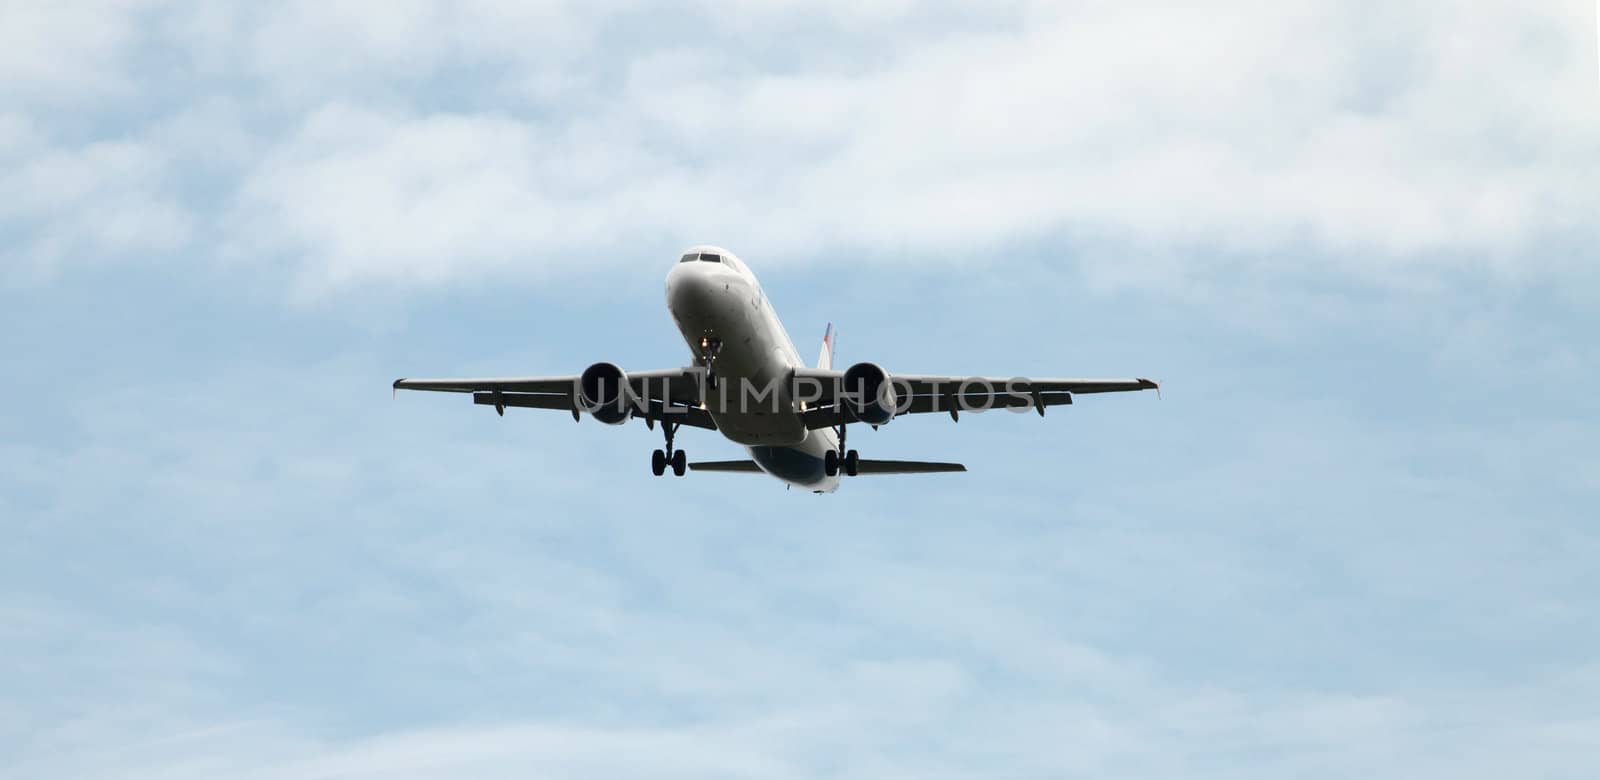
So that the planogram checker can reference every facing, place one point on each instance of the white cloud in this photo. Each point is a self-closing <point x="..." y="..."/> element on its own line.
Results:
<point x="104" y="200"/>
<point x="871" y="730"/>
<point x="63" y="53"/>
<point x="420" y="143"/>
<point x="375" y="196"/>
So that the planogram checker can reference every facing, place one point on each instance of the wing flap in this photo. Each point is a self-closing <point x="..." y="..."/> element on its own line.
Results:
<point x="924" y="393"/>
<point x="829" y="416"/>
<point x="525" y="400"/>
<point x="692" y="416"/>
<point x="939" y="385"/>
<point x="672" y="394"/>
<point x="677" y="385"/>
<point x="530" y="384"/>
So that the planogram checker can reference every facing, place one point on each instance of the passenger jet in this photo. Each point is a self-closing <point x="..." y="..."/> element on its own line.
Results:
<point x="748" y="383"/>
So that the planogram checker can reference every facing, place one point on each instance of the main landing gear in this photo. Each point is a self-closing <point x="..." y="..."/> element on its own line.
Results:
<point x="660" y="460"/>
<point x="833" y="461"/>
<point x="832" y="464"/>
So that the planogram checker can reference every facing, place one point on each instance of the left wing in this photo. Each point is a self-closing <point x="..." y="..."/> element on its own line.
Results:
<point x="673" y="393"/>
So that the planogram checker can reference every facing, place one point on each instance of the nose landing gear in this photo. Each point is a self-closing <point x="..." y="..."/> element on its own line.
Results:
<point x="661" y="459"/>
<point x="709" y="347"/>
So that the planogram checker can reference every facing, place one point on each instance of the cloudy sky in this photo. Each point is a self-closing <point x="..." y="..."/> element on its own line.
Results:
<point x="1356" y="537"/>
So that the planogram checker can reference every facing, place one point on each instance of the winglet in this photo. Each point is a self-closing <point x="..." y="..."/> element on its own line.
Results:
<point x="394" y="391"/>
<point x="1151" y="384"/>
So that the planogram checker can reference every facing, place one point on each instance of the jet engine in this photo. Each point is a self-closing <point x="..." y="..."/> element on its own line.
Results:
<point x="869" y="393"/>
<point x="604" y="393"/>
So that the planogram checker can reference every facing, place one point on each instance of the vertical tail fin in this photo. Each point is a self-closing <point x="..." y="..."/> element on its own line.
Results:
<point x="825" y="360"/>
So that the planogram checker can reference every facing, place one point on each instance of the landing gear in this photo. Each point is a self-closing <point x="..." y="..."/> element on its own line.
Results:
<point x="834" y="461"/>
<point x="661" y="459"/>
<point x="709" y="347"/>
<point x="833" y="464"/>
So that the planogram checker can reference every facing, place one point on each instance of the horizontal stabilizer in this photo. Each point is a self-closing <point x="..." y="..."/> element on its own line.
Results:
<point x="737" y="466"/>
<point x="870" y="467"/>
<point x="865" y="469"/>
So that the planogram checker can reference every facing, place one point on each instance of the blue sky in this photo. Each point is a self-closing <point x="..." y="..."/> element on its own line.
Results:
<point x="1356" y="535"/>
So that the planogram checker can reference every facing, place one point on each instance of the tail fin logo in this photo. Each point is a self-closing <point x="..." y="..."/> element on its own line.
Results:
<point x="825" y="359"/>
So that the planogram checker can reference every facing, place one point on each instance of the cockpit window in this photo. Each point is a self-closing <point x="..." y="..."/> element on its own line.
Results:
<point x="688" y="258"/>
<point x="707" y="257"/>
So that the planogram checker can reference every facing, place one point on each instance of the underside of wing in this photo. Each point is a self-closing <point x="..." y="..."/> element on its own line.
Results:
<point x="668" y="395"/>
<point x="956" y="385"/>
<point x="830" y="416"/>
<point x="654" y="411"/>
<point x="532" y="384"/>
<point x="924" y="394"/>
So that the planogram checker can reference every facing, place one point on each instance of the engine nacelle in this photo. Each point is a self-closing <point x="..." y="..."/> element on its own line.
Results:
<point x="604" y="393"/>
<point x="869" y="393"/>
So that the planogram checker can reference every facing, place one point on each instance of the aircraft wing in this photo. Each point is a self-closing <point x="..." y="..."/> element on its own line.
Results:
<point x="673" y="393"/>
<point x="925" y="393"/>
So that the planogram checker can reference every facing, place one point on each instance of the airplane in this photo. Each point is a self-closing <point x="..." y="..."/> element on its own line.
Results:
<point x="748" y="383"/>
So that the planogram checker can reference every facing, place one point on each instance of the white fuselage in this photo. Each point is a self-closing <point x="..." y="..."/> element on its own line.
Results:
<point x="721" y="303"/>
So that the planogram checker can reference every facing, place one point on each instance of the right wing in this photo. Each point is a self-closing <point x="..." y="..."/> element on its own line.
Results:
<point x="673" y="393"/>
<point x="927" y="393"/>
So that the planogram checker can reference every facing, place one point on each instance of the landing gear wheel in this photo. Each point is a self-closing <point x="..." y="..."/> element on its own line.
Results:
<point x="661" y="459"/>
<point x="852" y="461"/>
<point x="830" y="463"/>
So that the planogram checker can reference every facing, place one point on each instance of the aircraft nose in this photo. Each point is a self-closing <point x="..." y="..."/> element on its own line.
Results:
<point x="688" y="288"/>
